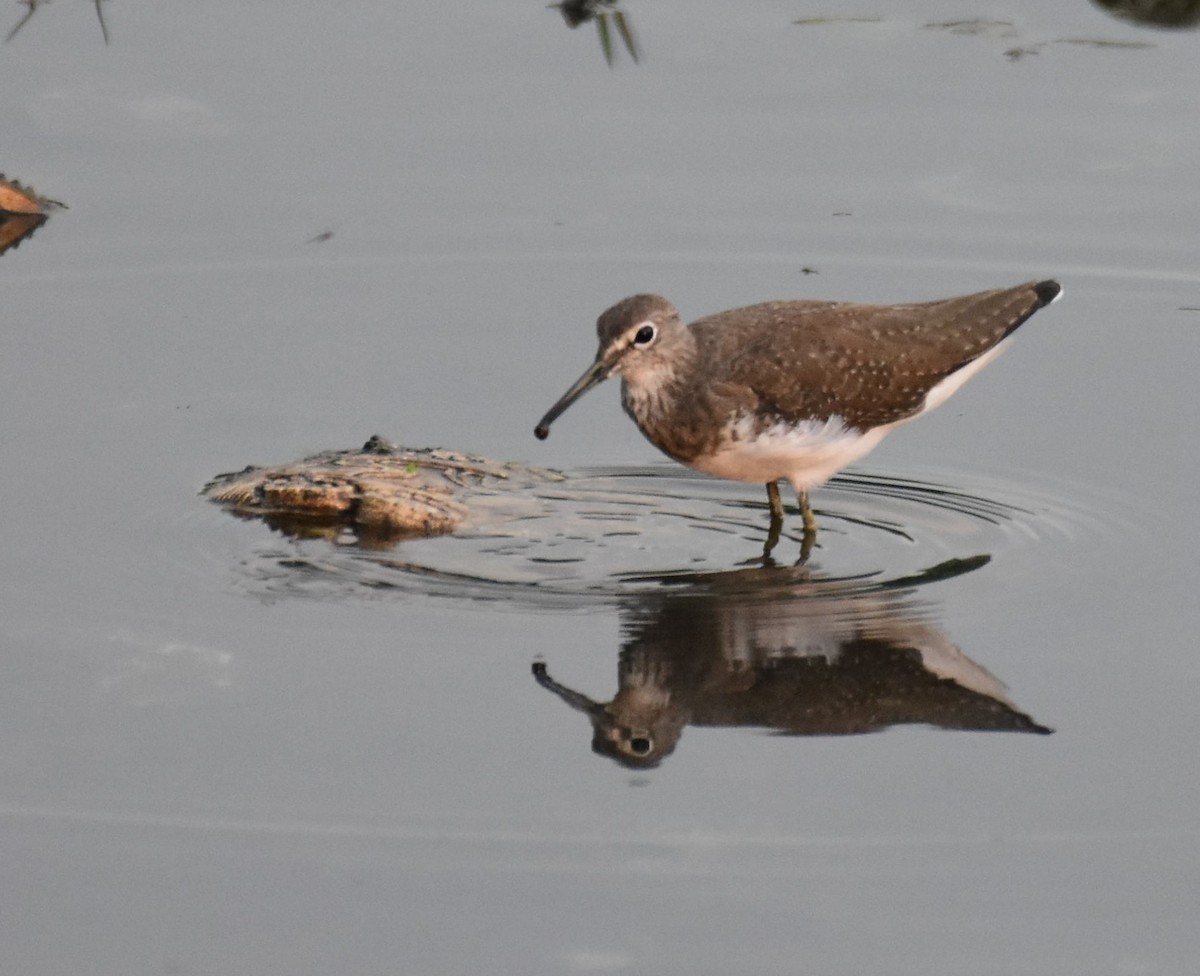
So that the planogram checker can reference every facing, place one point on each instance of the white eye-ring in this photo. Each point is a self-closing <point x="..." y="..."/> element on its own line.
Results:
<point x="645" y="335"/>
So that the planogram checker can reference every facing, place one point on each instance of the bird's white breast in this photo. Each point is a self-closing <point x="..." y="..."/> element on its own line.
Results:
<point x="807" y="454"/>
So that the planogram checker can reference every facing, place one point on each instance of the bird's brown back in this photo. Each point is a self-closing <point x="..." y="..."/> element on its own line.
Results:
<point x="869" y="364"/>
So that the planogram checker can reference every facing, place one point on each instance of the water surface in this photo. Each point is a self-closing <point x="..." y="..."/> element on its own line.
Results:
<point x="292" y="226"/>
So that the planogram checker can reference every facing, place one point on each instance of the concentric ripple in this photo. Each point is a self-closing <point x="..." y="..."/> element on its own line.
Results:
<point x="601" y="535"/>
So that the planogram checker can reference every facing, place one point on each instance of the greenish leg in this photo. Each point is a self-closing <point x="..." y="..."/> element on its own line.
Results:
<point x="806" y="513"/>
<point x="809" y="538"/>
<point x="775" y="501"/>
<point x="776" y="527"/>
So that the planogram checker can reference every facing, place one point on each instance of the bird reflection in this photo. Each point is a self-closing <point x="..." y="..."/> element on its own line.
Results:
<point x="771" y="649"/>
<point x="1154" y="13"/>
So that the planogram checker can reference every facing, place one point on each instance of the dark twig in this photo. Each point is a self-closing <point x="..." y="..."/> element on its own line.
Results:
<point x="32" y="5"/>
<point x="100" y="17"/>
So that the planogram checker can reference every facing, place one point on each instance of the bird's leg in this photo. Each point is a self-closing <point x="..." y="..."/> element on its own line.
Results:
<point x="775" y="501"/>
<point x="776" y="528"/>
<point x="806" y="513"/>
<point x="809" y="538"/>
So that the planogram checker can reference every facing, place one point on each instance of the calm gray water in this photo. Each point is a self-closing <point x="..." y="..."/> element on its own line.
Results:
<point x="226" y="751"/>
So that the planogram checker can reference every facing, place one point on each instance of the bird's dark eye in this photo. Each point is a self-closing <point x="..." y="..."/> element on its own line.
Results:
<point x="640" y="746"/>
<point x="645" y="335"/>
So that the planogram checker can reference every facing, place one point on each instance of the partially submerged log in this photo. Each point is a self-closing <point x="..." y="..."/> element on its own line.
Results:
<point x="382" y="491"/>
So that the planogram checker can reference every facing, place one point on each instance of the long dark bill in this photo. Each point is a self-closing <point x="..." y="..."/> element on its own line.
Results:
<point x="596" y="373"/>
<point x="577" y="700"/>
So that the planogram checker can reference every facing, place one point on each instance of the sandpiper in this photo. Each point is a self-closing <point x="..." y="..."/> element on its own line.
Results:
<point x="793" y="390"/>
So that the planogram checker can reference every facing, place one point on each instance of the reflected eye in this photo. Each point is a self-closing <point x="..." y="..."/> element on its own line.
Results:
<point x="645" y="335"/>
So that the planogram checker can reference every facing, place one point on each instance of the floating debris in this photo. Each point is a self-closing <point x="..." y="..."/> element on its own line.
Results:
<point x="979" y="27"/>
<point x="1099" y="42"/>
<point x="21" y="212"/>
<point x="825" y="21"/>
